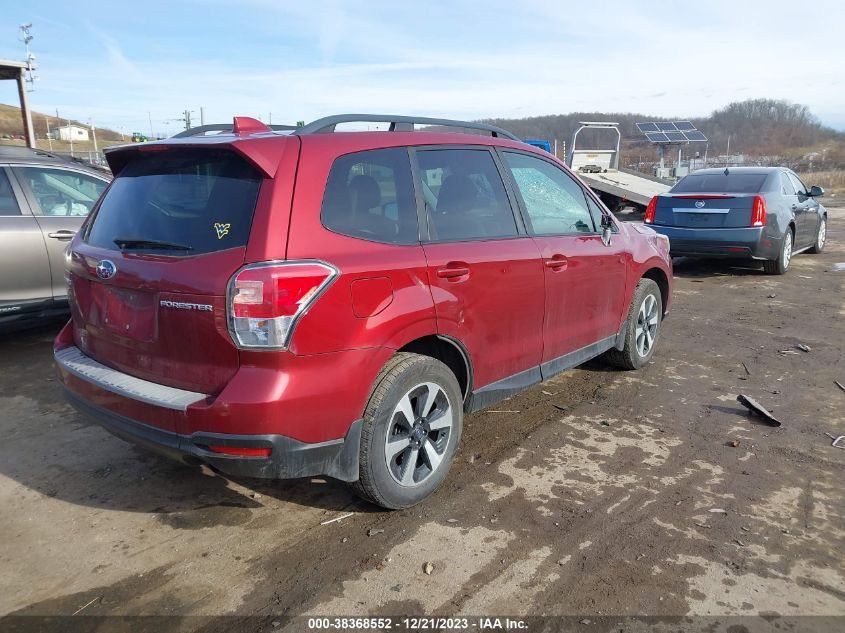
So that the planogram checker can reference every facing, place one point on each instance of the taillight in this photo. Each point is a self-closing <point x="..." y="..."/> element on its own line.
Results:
<point x="267" y="300"/>
<point x="758" y="212"/>
<point x="650" y="209"/>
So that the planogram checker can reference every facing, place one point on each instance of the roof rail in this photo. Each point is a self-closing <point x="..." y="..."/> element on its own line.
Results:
<point x="398" y="124"/>
<point x="223" y="128"/>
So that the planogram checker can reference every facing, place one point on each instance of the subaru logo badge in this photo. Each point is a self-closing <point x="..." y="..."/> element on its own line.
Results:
<point x="106" y="269"/>
<point x="699" y="204"/>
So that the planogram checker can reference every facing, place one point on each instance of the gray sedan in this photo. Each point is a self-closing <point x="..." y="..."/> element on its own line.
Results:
<point x="763" y="213"/>
<point x="44" y="200"/>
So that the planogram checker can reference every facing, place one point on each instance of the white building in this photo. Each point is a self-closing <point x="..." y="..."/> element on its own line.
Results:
<point x="70" y="133"/>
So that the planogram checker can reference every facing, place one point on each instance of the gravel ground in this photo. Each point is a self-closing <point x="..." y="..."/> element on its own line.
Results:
<point x="596" y="493"/>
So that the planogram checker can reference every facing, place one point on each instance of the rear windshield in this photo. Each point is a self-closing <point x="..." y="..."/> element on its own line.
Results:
<point x="185" y="202"/>
<point x="721" y="183"/>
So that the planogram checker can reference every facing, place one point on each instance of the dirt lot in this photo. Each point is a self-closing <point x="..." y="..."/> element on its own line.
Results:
<point x="597" y="493"/>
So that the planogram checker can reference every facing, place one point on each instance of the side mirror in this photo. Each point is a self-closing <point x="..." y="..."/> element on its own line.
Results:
<point x="816" y="191"/>
<point x="606" y="229"/>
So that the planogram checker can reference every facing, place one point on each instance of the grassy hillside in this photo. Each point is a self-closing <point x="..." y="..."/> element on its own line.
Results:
<point x="10" y="123"/>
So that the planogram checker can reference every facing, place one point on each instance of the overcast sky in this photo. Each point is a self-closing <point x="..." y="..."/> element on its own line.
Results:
<point x="114" y="62"/>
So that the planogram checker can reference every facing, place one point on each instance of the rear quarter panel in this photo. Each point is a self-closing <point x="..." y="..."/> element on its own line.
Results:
<point x="388" y="284"/>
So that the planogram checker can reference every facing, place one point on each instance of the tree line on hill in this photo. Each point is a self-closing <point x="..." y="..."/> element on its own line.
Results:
<point x="756" y="127"/>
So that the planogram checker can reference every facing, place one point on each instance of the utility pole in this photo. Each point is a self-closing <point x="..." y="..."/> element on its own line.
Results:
<point x="150" y="117"/>
<point x="70" y="135"/>
<point x="728" y="152"/>
<point x="49" y="136"/>
<point x="94" y="137"/>
<point x="202" y="115"/>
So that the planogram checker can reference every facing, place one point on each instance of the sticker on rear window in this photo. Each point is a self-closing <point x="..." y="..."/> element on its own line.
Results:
<point x="222" y="229"/>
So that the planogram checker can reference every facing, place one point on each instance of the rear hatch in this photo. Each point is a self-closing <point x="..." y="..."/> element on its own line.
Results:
<point x="710" y="201"/>
<point x="148" y="279"/>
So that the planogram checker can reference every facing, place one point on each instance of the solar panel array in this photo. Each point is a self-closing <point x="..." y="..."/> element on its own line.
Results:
<point x="670" y="132"/>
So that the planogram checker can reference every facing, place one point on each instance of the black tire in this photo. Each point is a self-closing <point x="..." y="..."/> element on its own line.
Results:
<point x="630" y="357"/>
<point x="780" y="265"/>
<point x="401" y="376"/>
<point x="821" y="236"/>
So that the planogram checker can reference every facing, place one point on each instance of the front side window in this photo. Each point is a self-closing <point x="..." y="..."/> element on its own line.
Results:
<point x="554" y="202"/>
<point x="465" y="197"/>
<point x="62" y="191"/>
<point x="8" y="202"/>
<point x="800" y="189"/>
<point x="370" y="195"/>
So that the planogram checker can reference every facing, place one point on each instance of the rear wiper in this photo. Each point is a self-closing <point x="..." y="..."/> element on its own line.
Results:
<point x="124" y="243"/>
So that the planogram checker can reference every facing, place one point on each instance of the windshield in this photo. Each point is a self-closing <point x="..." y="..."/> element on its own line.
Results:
<point x="720" y="183"/>
<point x="201" y="199"/>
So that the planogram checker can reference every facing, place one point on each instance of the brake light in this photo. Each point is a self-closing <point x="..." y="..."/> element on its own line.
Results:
<point x="758" y="212"/>
<point x="650" y="209"/>
<point x="267" y="300"/>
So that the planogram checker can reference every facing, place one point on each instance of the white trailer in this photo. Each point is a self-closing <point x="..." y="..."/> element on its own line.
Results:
<point x="599" y="168"/>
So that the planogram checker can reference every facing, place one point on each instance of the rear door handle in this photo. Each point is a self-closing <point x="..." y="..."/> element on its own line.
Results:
<point x="62" y="235"/>
<point x="453" y="271"/>
<point x="556" y="263"/>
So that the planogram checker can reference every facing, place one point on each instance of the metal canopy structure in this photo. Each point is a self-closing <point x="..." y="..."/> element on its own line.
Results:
<point x="596" y="125"/>
<point x="16" y="70"/>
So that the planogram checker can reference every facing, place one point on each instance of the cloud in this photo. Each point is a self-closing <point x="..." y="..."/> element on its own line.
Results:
<point x="456" y="59"/>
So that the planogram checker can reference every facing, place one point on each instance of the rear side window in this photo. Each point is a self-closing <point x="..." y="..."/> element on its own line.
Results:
<point x="721" y="183"/>
<point x="555" y="203"/>
<point x="8" y="202"/>
<point x="202" y="200"/>
<point x="786" y="185"/>
<point x="370" y="195"/>
<point x="465" y="198"/>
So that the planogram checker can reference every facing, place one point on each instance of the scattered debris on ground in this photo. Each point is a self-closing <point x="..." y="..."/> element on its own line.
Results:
<point x="838" y="442"/>
<point x="804" y="348"/>
<point x="336" y="519"/>
<point x="759" y="409"/>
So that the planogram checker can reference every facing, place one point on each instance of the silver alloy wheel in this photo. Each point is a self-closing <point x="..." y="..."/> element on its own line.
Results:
<point x="822" y="236"/>
<point x="787" y="249"/>
<point x="647" y="321"/>
<point x="418" y="434"/>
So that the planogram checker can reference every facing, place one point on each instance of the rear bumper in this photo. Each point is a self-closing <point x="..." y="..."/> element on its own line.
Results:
<point x="289" y="458"/>
<point x="730" y="243"/>
<point x="185" y="425"/>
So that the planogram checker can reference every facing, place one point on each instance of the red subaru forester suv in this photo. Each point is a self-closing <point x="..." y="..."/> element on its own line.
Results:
<point x="314" y="302"/>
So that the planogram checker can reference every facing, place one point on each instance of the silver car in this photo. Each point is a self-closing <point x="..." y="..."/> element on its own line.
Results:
<point x="44" y="200"/>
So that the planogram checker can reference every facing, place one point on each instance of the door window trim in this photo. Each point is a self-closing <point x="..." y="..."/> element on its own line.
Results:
<point x="422" y="215"/>
<point x="584" y="190"/>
